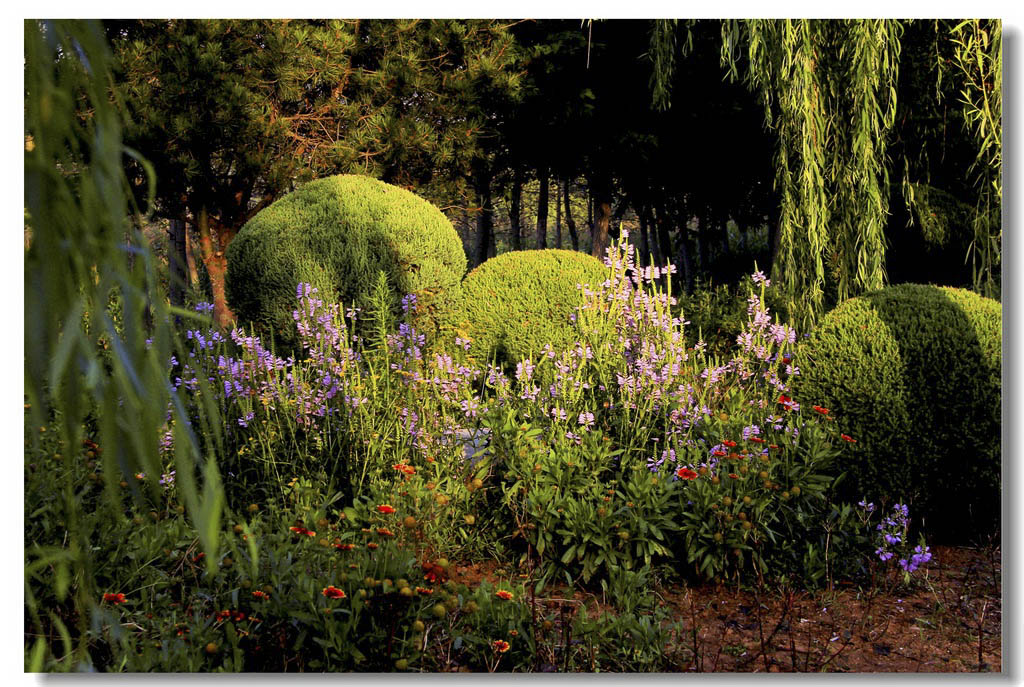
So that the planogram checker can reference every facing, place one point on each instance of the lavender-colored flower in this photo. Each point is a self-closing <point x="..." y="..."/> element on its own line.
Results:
<point x="586" y="419"/>
<point x="470" y="407"/>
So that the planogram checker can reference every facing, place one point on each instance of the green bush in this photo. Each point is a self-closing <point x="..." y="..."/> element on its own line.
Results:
<point x="912" y="373"/>
<point x="514" y="304"/>
<point x="337" y="233"/>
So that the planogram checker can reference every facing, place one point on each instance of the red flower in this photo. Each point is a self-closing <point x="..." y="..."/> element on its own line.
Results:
<point x="756" y="440"/>
<point x="424" y="590"/>
<point x="385" y="532"/>
<point x="222" y="615"/>
<point x="371" y="545"/>
<point x="344" y="547"/>
<point x="686" y="473"/>
<point x="385" y="508"/>
<point x="823" y="411"/>
<point x="303" y="530"/>
<point x="728" y="443"/>
<point x="848" y="438"/>
<point x="500" y="646"/>
<point x="333" y="592"/>
<point x="237" y="616"/>
<point x="719" y="452"/>
<point x="405" y="469"/>
<point x="784" y="399"/>
<point x="733" y="475"/>
<point x="114" y="598"/>
<point x="260" y="595"/>
<point x="503" y="594"/>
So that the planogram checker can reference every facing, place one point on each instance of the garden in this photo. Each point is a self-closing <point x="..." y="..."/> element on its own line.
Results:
<point x="343" y="429"/>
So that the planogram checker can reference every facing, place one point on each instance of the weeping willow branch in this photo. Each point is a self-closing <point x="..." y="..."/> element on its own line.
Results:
<point x="829" y="91"/>
<point x="978" y="58"/>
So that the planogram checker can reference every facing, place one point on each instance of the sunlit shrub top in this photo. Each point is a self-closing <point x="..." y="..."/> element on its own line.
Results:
<point x="514" y="304"/>
<point x="336" y="234"/>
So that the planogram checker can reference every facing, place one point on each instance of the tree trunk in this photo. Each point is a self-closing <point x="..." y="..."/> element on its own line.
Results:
<point x="602" y="218"/>
<point x="573" y="236"/>
<point x="542" y="209"/>
<point x="558" y="217"/>
<point x="485" y="220"/>
<point x="661" y="237"/>
<point x="515" y="213"/>
<point x="177" y="263"/>
<point x="703" y="243"/>
<point x="643" y="257"/>
<point x="212" y="252"/>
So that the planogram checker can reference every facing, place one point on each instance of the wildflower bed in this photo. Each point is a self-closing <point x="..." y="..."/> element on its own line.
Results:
<point x="625" y="465"/>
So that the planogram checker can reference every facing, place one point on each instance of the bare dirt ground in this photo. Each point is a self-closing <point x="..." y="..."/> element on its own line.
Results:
<point x="950" y="621"/>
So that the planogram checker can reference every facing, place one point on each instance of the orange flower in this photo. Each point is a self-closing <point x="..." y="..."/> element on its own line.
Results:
<point x="503" y="594"/>
<point x="371" y="545"/>
<point x="501" y="646"/>
<point x="424" y="590"/>
<point x="733" y="475"/>
<point x="333" y="592"/>
<point x="823" y="411"/>
<point x="237" y="616"/>
<point x="385" y="508"/>
<point x="385" y="532"/>
<point x="719" y="452"/>
<point x="344" y="547"/>
<point x="303" y="530"/>
<point x="686" y="473"/>
<point x="848" y="438"/>
<point x="222" y="615"/>
<point x="405" y="469"/>
<point x="114" y="598"/>
<point x="757" y="440"/>
<point x="728" y="443"/>
<point x="260" y="595"/>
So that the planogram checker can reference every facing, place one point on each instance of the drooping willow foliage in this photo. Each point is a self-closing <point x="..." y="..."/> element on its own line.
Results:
<point x="97" y="326"/>
<point x="829" y="92"/>
<point x="978" y="57"/>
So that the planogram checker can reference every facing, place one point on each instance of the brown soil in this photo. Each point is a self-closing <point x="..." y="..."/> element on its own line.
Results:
<point x="932" y="627"/>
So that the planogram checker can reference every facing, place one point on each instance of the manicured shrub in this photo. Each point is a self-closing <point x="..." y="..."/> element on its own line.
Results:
<point x="514" y="304"/>
<point x="912" y="373"/>
<point x="336" y="234"/>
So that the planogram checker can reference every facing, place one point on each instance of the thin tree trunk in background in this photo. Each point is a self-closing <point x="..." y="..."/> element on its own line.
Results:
<point x="643" y="258"/>
<point x="573" y="236"/>
<point x="558" y="217"/>
<point x="216" y="264"/>
<point x="542" y="209"/>
<point x="602" y="219"/>
<point x="684" y="261"/>
<point x="485" y="220"/>
<point x="177" y="263"/>
<point x="703" y="239"/>
<point x="620" y="211"/>
<point x="590" y="206"/>
<point x="515" y="213"/>
<point x="661" y="236"/>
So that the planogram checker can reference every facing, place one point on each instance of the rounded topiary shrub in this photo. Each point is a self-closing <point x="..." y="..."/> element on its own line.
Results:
<point x="337" y="233"/>
<point x="912" y="373"/>
<point x="515" y="303"/>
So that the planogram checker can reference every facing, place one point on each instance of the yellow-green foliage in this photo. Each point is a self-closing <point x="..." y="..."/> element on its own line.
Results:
<point x="514" y="304"/>
<point x="337" y="233"/>
<point x="912" y="373"/>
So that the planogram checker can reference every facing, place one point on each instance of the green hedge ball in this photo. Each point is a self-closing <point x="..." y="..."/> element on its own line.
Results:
<point x="513" y="304"/>
<point x="337" y="233"/>
<point x="913" y="374"/>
